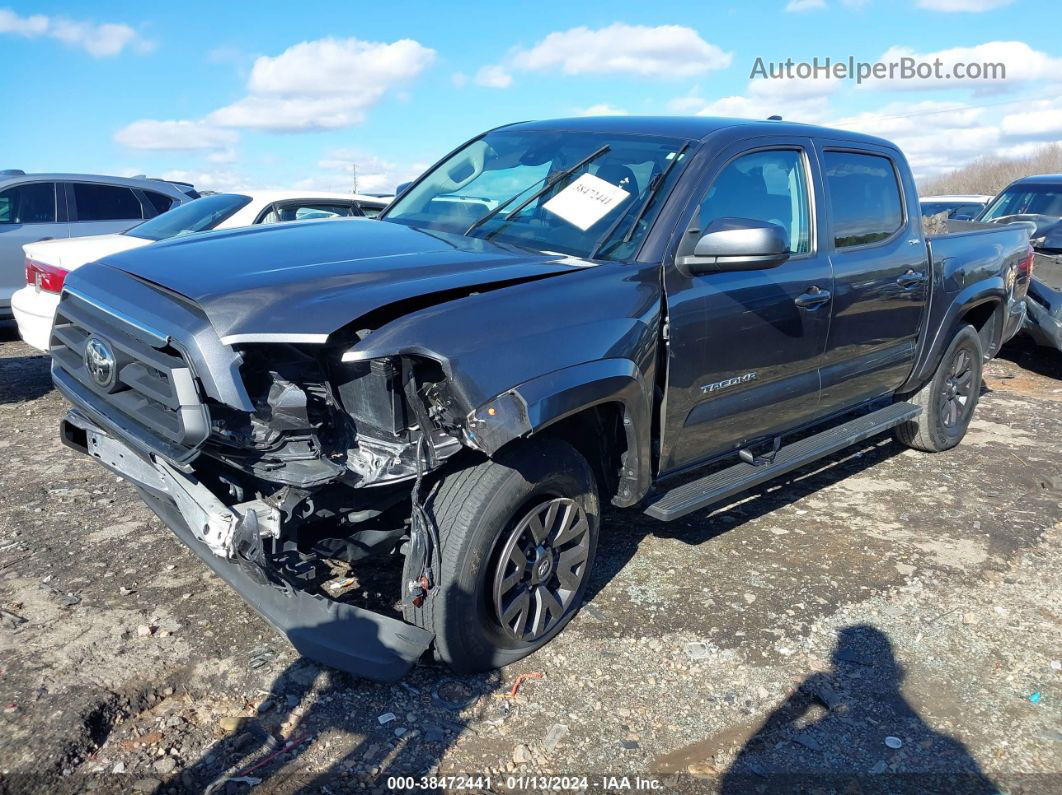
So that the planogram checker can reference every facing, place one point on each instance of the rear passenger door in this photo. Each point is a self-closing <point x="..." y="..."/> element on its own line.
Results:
<point x="29" y="211"/>
<point x="99" y="209"/>
<point x="880" y="270"/>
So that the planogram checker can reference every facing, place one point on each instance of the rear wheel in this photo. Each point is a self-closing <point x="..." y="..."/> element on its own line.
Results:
<point x="949" y="399"/>
<point x="518" y="536"/>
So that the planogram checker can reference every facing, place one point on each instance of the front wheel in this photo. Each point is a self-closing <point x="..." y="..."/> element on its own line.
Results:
<point x="518" y="536"/>
<point x="948" y="400"/>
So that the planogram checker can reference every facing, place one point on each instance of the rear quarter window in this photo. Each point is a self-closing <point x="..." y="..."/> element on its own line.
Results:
<point x="160" y="202"/>
<point x="865" y="203"/>
<point x="105" y="203"/>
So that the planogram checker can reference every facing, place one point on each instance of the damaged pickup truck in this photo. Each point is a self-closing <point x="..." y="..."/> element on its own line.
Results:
<point x="556" y="315"/>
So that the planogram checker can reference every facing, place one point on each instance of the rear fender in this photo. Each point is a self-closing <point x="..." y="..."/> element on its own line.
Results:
<point x="944" y="322"/>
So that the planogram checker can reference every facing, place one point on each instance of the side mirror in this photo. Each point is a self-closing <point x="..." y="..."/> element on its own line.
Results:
<point x="399" y="190"/>
<point x="737" y="244"/>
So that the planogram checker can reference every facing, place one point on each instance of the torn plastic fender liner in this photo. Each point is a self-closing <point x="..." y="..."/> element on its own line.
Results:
<point x="332" y="633"/>
<point x="542" y="401"/>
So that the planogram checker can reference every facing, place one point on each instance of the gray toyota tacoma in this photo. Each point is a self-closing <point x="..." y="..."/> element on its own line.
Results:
<point x="656" y="312"/>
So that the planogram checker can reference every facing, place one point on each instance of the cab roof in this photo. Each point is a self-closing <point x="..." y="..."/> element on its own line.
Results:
<point x="691" y="127"/>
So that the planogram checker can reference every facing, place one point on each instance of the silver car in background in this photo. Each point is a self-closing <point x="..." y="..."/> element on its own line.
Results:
<point x="50" y="206"/>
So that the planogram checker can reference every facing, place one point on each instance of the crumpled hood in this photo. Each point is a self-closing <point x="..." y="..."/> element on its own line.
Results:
<point x="302" y="281"/>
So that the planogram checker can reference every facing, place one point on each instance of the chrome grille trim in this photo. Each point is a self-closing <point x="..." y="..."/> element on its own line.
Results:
<point x="154" y="399"/>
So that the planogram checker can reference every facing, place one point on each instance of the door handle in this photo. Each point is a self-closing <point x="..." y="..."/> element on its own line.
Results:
<point x="815" y="296"/>
<point x="911" y="278"/>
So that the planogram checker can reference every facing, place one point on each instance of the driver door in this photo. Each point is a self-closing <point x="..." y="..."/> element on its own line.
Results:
<point x="745" y="347"/>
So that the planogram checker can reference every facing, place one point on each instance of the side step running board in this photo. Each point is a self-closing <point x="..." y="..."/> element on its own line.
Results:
<point x="721" y="485"/>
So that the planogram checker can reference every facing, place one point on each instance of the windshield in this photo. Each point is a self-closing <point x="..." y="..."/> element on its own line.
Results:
<point x="514" y="186"/>
<point x="195" y="216"/>
<point x="1026" y="200"/>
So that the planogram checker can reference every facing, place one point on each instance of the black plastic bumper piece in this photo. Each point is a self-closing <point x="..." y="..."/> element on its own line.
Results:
<point x="339" y="635"/>
<point x="1041" y="323"/>
<point x="722" y="485"/>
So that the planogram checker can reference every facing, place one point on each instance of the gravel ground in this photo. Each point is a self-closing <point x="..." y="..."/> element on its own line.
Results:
<point x="883" y="621"/>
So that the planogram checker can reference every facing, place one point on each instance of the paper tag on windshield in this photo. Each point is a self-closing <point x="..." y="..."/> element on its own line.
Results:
<point x="586" y="201"/>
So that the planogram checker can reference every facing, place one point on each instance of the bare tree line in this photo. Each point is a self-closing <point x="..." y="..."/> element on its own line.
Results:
<point x="990" y="174"/>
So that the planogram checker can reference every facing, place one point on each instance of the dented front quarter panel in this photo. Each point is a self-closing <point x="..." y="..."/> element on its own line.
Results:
<point x="542" y="351"/>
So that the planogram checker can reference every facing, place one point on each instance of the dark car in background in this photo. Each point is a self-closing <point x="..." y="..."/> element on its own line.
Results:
<point x="1038" y="202"/>
<point x="48" y="206"/>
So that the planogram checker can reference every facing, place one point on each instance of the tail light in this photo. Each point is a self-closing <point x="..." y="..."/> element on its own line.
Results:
<point x="46" y="278"/>
<point x="1025" y="267"/>
<point x="1023" y="273"/>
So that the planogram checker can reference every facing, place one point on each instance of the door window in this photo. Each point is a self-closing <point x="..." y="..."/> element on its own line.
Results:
<point x="105" y="203"/>
<point x="28" y="204"/>
<point x="864" y="198"/>
<point x="768" y="186"/>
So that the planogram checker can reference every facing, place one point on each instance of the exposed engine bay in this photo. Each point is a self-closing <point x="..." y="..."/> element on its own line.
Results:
<point x="323" y="472"/>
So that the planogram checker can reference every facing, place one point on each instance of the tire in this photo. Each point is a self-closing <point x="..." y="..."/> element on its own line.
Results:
<point x="478" y="511"/>
<point x="949" y="399"/>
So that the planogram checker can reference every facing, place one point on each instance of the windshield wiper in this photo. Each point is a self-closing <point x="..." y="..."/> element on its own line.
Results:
<point x="654" y="187"/>
<point x="540" y="192"/>
<point x="661" y="178"/>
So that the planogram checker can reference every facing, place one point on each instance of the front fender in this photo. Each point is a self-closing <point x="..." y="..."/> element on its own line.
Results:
<point x="540" y="402"/>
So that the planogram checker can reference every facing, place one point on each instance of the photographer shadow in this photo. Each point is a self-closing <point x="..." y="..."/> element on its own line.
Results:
<point x="852" y="730"/>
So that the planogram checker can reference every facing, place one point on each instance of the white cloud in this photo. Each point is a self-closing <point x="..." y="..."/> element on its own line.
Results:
<point x="98" y="40"/>
<point x="1027" y="149"/>
<point x="936" y="137"/>
<point x="819" y="5"/>
<point x="795" y="100"/>
<point x="493" y="77"/>
<point x="221" y="181"/>
<point x="459" y="79"/>
<point x="1040" y="119"/>
<point x="962" y="6"/>
<point x="1022" y="64"/>
<point x="179" y="136"/>
<point x="664" y="51"/>
<point x="602" y="109"/>
<point x="324" y="84"/>
<point x="227" y="155"/>
<point x="373" y="174"/>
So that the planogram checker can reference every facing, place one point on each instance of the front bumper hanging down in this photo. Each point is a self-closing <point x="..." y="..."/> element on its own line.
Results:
<point x="333" y="633"/>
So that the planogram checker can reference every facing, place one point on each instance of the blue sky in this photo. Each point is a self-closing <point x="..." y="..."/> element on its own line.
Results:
<point x="240" y="95"/>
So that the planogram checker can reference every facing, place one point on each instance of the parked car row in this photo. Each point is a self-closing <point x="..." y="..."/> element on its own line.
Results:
<point x="47" y="261"/>
<point x="55" y="206"/>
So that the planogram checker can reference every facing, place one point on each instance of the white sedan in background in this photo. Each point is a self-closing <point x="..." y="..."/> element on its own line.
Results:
<point x="49" y="261"/>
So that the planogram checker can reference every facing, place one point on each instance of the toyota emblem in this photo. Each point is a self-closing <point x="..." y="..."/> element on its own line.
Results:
<point x="100" y="362"/>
